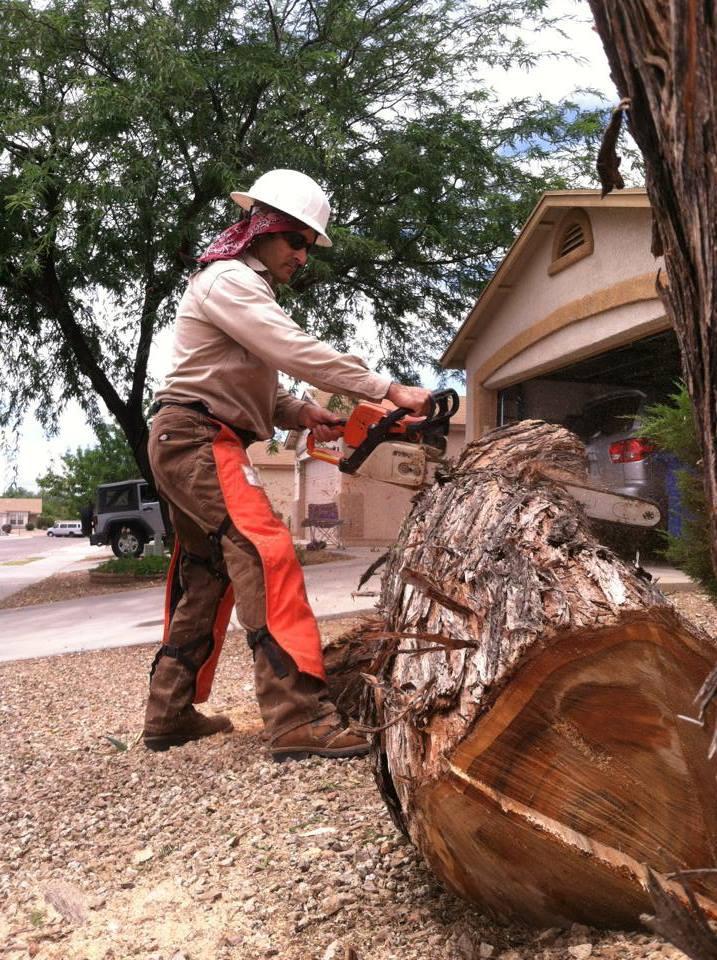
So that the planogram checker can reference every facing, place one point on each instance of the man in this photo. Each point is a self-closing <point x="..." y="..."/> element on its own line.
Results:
<point x="231" y="339"/>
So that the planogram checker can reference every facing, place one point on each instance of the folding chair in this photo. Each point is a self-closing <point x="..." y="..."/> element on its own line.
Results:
<point x="324" y="525"/>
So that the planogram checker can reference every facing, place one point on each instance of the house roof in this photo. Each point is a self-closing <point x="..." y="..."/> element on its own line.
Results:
<point x="261" y="456"/>
<point x="20" y="504"/>
<point x="544" y="216"/>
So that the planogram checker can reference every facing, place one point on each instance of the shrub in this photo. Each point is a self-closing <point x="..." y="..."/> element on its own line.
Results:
<point x="672" y="427"/>
<point x="139" y="567"/>
<point x="44" y="521"/>
<point x="6" y="528"/>
<point x="29" y="526"/>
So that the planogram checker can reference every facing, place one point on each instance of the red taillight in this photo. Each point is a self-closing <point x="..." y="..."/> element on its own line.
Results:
<point x="630" y="451"/>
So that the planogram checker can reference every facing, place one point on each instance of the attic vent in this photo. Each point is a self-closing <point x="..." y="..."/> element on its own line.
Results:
<point x="573" y="237"/>
<point x="573" y="240"/>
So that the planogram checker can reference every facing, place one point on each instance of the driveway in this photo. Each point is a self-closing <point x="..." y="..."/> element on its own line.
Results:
<point x="136" y="616"/>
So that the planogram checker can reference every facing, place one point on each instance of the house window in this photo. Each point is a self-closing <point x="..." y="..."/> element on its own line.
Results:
<point x="17" y="519"/>
<point x="572" y="240"/>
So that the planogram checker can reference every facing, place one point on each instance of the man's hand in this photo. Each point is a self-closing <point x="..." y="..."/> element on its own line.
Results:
<point x="417" y="399"/>
<point x="322" y="422"/>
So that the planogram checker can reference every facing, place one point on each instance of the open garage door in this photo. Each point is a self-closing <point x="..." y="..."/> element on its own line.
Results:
<point x="600" y="399"/>
<point x="651" y="366"/>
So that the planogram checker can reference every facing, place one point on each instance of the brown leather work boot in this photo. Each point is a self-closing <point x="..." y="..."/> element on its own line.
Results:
<point x="188" y="725"/>
<point x="326" y="737"/>
<point x="299" y="717"/>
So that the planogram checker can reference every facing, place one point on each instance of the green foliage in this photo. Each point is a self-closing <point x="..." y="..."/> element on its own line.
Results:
<point x="45" y="521"/>
<point x="151" y="566"/>
<point x="15" y="491"/>
<point x="29" y="526"/>
<point x="126" y="123"/>
<point x="67" y="490"/>
<point x="672" y="427"/>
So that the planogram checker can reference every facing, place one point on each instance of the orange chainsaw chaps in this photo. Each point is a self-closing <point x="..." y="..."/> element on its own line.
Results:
<point x="289" y="617"/>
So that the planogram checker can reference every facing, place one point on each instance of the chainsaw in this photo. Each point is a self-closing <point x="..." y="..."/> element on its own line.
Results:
<point x="398" y="448"/>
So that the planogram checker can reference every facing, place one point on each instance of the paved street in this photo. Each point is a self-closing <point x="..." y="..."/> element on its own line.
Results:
<point x="132" y="617"/>
<point x="25" y="560"/>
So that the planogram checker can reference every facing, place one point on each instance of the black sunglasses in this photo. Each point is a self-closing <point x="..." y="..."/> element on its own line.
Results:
<point x="297" y="241"/>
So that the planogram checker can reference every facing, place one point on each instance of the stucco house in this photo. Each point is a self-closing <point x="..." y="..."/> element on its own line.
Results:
<point x="17" y="511"/>
<point x="570" y="313"/>
<point x="371" y="512"/>
<point x="276" y="469"/>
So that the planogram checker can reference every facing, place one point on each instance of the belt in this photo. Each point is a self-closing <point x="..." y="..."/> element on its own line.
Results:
<point x="246" y="436"/>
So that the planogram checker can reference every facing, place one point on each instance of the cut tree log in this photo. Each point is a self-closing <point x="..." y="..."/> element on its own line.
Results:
<point x="529" y="688"/>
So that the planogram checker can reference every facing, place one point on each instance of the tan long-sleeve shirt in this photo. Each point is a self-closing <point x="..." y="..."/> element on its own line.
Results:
<point x="231" y="337"/>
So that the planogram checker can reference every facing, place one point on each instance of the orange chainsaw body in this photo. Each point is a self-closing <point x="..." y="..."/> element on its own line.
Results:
<point x="365" y="415"/>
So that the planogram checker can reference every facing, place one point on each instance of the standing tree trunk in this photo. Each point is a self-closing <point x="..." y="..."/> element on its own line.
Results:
<point x="663" y="57"/>
<point x="527" y="693"/>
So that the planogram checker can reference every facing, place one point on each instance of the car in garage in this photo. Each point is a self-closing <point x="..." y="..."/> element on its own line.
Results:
<point x="619" y="457"/>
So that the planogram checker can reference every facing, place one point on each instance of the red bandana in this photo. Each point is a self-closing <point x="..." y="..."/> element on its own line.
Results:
<point x="236" y="239"/>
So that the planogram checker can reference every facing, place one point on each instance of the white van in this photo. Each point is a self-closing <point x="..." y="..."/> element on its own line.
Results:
<point x="66" y="528"/>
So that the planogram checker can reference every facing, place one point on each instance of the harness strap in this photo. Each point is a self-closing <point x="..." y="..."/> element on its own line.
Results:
<point x="247" y="437"/>
<point x="215" y="543"/>
<point x="214" y="563"/>
<point x="180" y="653"/>
<point x="271" y="648"/>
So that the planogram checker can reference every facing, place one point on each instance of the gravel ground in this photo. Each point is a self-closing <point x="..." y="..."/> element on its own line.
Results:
<point x="212" y="852"/>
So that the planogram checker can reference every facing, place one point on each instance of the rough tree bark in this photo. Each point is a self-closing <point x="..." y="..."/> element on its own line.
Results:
<point x="526" y="693"/>
<point x="663" y="57"/>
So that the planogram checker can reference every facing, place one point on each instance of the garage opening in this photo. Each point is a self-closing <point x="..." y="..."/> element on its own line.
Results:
<point x="650" y="366"/>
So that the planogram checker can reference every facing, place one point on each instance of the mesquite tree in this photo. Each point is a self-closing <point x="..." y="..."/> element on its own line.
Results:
<point x="663" y="58"/>
<point x="127" y="122"/>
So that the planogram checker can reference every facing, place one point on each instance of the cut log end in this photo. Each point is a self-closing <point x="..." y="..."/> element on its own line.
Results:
<point x="536" y="757"/>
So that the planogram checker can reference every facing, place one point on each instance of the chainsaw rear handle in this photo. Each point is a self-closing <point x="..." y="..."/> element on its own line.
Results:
<point x="328" y="456"/>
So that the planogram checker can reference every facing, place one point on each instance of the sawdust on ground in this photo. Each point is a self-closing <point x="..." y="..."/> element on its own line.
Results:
<point x="212" y="852"/>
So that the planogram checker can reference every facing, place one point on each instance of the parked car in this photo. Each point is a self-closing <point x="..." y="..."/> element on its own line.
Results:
<point x="619" y="459"/>
<point x="127" y="516"/>
<point x="65" y="528"/>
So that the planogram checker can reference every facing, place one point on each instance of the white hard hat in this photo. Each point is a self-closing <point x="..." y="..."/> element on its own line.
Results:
<point x="293" y="193"/>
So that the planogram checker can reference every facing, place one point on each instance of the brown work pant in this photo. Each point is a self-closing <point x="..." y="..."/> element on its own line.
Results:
<point x="180" y="452"/>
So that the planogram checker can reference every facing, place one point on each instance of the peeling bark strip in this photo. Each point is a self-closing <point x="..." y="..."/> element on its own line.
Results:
<point x="536" y="758"/>
<point x="608" y="162"/>
<point x="663" y="57"/>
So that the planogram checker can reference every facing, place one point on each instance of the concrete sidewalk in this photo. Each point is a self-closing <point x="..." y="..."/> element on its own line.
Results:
<point x="136" y="616"/>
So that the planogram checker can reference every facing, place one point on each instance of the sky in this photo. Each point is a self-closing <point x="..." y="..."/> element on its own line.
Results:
<point x="554" y="79"/>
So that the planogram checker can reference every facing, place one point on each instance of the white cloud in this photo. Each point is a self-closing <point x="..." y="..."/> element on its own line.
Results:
<point x="36" y="453"/>
<point x="557" y="78"/>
